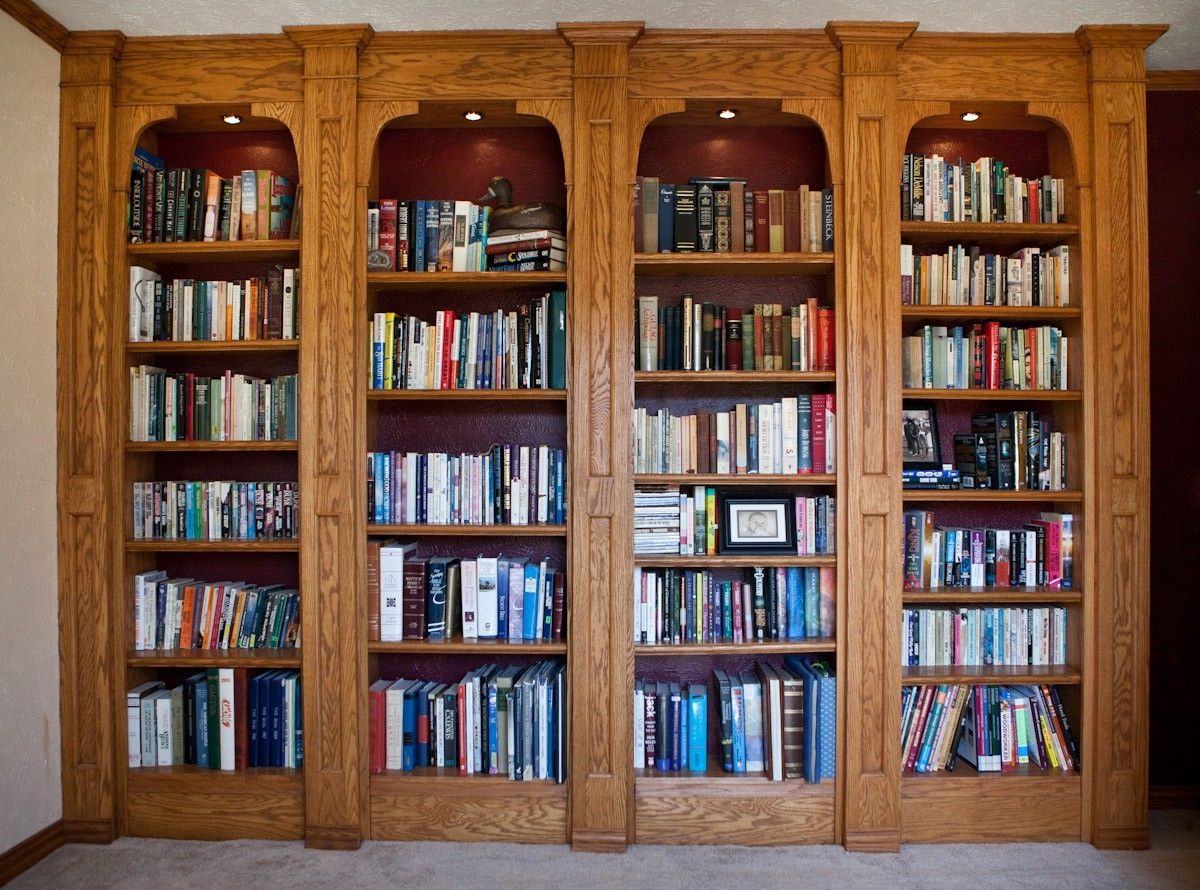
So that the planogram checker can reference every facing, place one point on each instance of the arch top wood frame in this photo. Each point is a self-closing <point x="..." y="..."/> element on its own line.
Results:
<point x="865" y="85"/>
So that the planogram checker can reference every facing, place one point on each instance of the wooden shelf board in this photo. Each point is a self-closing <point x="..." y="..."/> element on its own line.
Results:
<point x="1054" y="674"/>
<point x="465" y="395"/>
<point x="191" y="778"/>
<point x="696" y="782"/>
<point x="156" y="546"/>
<point x="988" y="496"/>
<point x="729" y="479"/>
<point x="964" y="773"/>
<point x="1046" y="234"/>
<point x="473" y="281"/>
<point x="735" y="378"/>
<point x="249" y="658"/>
<point x="468" y="647"/>
<point x="441" y="775"/>
<point x="684" y="650"/>
<point x="746" y="264"/>
<point x="188" y="347"/>
<point x="469" y="531"/>
<point x="215" y="251"/>
<point x="974" y="596"/>
<point x="667" y="560"/>
<point x="206" y="445"/>
<point x="988" y="395"/>
<point x="992" y="313"/>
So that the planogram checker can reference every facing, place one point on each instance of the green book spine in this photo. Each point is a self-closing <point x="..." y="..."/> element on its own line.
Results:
<point x="748" y="340"/>
<point x="558" y="339"/>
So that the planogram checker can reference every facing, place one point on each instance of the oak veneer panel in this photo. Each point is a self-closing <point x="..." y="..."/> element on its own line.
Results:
<point x="740" y="264"/>
<point x="972" y="807"/>
<point x="467" y="395"/>
<point x="1045" y="234"/>
<point x="203" y="70"/>
<point x="200" y="804"/>
<point x="999" y="395"/>
<point x="930" y="675"/>
<point x="469" y="531"/>
<point x="462" y="281"/>
<point x="732" y="378"/>
<point x="983" y="596"/>
<point x="735" y="479"/>
<point x="1033" y="314"/>
<point x="984" y="67"/>
<point x="487" y="648"/>
<point x="247" y="446"/>
<point x="214" y="251"/>
<point x="230" y="658"/>
<point x="744" y="650"/>
<point x="219" y="347"/>
<point x="429" y="805"/>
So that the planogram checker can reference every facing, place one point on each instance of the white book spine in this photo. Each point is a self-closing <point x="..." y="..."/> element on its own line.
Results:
<point x="489" y="604"/>
<point x="391" y="589"/>
<point x="470" y="599"/>
<point x="163" y="730"/>
<point x="395" y="726"/>
<point x="228" y="716"/>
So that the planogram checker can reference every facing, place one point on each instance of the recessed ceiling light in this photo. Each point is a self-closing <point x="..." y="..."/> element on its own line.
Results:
<point x="232" y="119"/>
<point x="473" y="116"/>
<point x="970" y="116"/>
<point x="726" y="113"/>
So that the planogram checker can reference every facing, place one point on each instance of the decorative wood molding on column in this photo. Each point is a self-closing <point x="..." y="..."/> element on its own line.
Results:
<point x="1121" y="293"/>
<point x="332" y="445"/>
<point x="601" y="508"/>
<point x="89" y="343"/>
<point x="869" y="251"/>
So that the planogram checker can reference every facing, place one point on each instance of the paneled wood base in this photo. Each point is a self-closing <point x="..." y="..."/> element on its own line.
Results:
<point x="598" y="842"/>
<point x="452" y="808"/>
<point x="30" y="851"/>
<point x="873" y="840"/>
<point x="332" y="838"/>
<point x="88" y="831"/>
<point x="1122" y="839"/>
<point x="747" y="811"/>
<point x="201" y="804"/>
<point x="982" y="808"/>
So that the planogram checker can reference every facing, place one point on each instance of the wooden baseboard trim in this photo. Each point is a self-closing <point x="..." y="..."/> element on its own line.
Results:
<point x="30" y="851"/>
<point x="1175" y="797"/>
<point x="88" y="831"/>
<point x="598" y="842"/>
<point x="1121" y="838"/>
<point x="332" y="838"/>
<point x="873" y="840"/>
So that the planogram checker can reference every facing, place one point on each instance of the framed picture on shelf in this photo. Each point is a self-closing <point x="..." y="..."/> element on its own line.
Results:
<point x="921" y="446"/>
<point x="751" y="525"/>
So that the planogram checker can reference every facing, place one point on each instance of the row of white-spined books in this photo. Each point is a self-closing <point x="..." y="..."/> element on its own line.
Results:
<point x="524" y="349"/>
<point x="681" y="606"/>
<point x="219" y="718"/>
<point x="496" y="721"/>
<point x="985" y="356"/>
<point x="796" y="435"/>
<point x="999" y="635"/>
<point x="264" y="307"/>
<point x="992" y="728"/>
<point x="182" y="613"/>
<point x="777" y="720"/>
<point x="936" y="190"/>
<point x="215" y="511"/>
<point x="229" y="408"/>
<point x="963" y="276"/>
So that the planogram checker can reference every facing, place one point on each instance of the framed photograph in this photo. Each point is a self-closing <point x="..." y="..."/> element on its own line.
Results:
<point x="756" y="525"/>
<point x="921" y="445"/>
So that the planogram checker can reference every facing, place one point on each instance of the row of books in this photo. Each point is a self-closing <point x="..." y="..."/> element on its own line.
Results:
<point x="215" y="511"/>
<point x="1040" y="554"/>
<point x="985" y="356"/>
<point x="1013" y="635"/>
<point x="963" y="276"/>
<point x="454" y="236"/>
<point x="680" y="606"/>
<point x="500" y="721"/>
<point x="777" y="720"/>
<point x="182" y="204"/>
<point x="508" y="485"/>
<point x="444" y="598"/>
<point x="936" y="190"/>
<point x="263" y="307"/>
<point x="945" y="478"/>
<point x="721" y="215"/>
<point x="231" y="408"/>
<point x="220" y="718"/>
<point x="696" y="336"/>
<point x="796" y="435"/>
<point x="524" y="349"/>
<point x="992" y="728"/>
<point x="182" y="613"/>
<point x="1012" y="451"/>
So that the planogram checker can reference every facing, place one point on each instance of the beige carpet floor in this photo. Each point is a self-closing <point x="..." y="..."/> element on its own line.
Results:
<point x="1174" y="861"/>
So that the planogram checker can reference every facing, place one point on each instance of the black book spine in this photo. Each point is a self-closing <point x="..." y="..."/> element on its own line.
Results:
<point x="137" y="198"/>
<point x="705" y="219"/>
<point x="195" y="217"/>
<point x="827" y="220"/>
<point x="166" y="223"/>
<point x="685" y="219"/>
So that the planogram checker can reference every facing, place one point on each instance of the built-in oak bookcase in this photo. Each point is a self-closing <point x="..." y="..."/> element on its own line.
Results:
<point x="435" y="154"/>
<point x="772" y="149"/>
<point x="186" y="800"/>
<point x="1049" y="801"/>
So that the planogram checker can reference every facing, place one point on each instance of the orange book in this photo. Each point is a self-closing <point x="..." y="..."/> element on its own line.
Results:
<point x="229" y="637"/>
<point x="185" y="617"/>
<point x="775" y="219"/>
<point x="252" y="311"/>
<point x="264" y="204"/>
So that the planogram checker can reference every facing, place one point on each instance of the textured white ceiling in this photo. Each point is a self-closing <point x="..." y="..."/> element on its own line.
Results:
<point x="1179" y="48"/>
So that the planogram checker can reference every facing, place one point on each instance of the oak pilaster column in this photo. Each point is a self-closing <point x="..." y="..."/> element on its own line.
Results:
<point x="1119" y="272"/>
<point x="333" y="616"/>
<point x="870" y="418"/>
<point x="90" y="339"/>
<point x="601" y="483"/>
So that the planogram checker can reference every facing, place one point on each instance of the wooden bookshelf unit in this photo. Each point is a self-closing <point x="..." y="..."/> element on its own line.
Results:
<point x="573" y="116"/>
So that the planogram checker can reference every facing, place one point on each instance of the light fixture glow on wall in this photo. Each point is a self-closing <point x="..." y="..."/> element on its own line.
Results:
<point x="473" y="116"/>
<point x="232" y="119"/>
<point x="970" y="116"/>
<point x="726" y="113"/>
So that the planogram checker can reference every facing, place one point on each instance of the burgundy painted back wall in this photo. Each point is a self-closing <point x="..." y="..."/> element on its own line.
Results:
<point x="1173" y="137"/>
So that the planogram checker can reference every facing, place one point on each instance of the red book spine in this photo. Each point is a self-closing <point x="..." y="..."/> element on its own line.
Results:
<point x="387" y="228"/>
<point x="422" y="724"/>
<point x="527" y="244"/>
<point x="818" y="432"/>
<point x="378" y="730"/>
<point x="558" y="622"/>
<point x="241" y="725"/>
<point x="447" y="343"/>
<point x="992" y="378"/>
<point x="463" y="690"/>
<point x="733" y="341"/>
<point x="918" y="730"/>
<point x="825" y="340"/>
<point x="762" y="239"/>
<point x="1035" y="210"/>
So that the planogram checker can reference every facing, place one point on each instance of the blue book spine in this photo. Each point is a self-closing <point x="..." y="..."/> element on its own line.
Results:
<point x="820" y="540"/>
<point x="276" y="746"/>
<point x="666" y="218"/>
<point x="739" y="726"/>
<point x="812" y="602"/>
<point x="531" y="614"/>
<point x="697" y="729"/>
<point x="409" y="729"/>
<point x="988" y="630"/>
<point x="416" y="232"/>
<point x="935" y="714"/>
<point x="377" y="474"/>
<point x="795" y="604"/>
<point x="299" y="740"/>
<point x="502" y="599"/>
<point x="752" y="437"/>
<point x="677" y="730"/>
<point x="376" y="360"/>
<point x="252" y="715"/>
<point x="827" y="731"/>
<point x="433" y="235"/>
<point x="190" y="504"/>
<point x="493" y="755"/>
<point x="961" y="378"/>
<point x="202" y="724"/>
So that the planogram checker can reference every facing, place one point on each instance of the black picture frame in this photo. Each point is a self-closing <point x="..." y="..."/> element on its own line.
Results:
<point x="920" y="444"/>
<point x="756" y="525"/>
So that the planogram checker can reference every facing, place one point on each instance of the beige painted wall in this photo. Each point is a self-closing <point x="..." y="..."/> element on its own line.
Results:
<point x="30" y="784"/>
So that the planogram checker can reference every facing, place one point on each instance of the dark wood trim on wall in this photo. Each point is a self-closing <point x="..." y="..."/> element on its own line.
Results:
<point x="38" y="21"/>
<point x="30" y="851"/>
<point x="1178" y="79"/>
<point x="1174" y="797"/>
